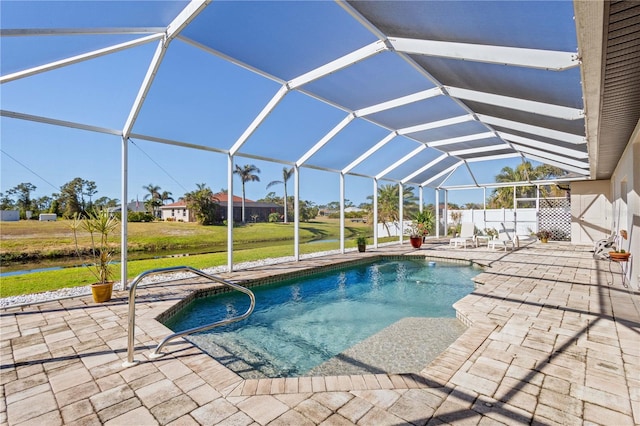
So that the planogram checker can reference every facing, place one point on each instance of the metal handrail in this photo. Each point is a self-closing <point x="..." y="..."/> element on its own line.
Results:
<point x="132" y="309"/>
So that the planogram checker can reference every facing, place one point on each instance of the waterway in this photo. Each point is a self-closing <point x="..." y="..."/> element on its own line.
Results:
<point x="21" y="268"/>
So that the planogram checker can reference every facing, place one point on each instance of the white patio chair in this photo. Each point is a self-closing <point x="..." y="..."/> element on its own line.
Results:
<point x="467" y="234"/>
<point x="503" y="239"/>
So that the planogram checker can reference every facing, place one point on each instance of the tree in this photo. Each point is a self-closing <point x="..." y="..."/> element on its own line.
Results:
<point x="165" y="196"/>
<point x="203" y="204"/>
<point x="89" y="189"/>
<point x="247" y="174"/>
<point x="308" y="210"/>
<point x="6" y="202"/>
<point x="152" y="199"/>
<point x="286" y="175"/>
<point x="503" y="197"/>
<point x="105" y="202"/>
<point x="22" y="193"/>
<point x="71" y="199"/>
<point x="388" y="204"/>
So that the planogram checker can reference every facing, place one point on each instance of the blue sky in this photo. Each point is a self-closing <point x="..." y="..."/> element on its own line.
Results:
<point x="223" y="99"/>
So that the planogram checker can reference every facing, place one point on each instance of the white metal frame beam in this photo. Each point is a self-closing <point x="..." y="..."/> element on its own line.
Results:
<point x="547" y="146"/>
<point x="436" y="124"/>
<point x="534" y="107"/>
<point x="442" y="173"/>
<point x="557" y="164"/>
<point x="535" y="130"/>
<point x="459" y="139"/>
<point x="56" y="122"/>
<point x="401" y="161"/>
<point x="78" y="58"/>
<point x="479" y="149"/>
<point x="550" y="156"/>
<point x="493" y="157"/>
<point x="325" y="139"/>
<point x="424" y="168"/>
<point x="268" y="108"/>
<point x="521" y="57"/>
<point x="370" y="152"/>
<point x="404" y="100"/>
<point x="338" y="64"/>
<point x="187" y="14"/>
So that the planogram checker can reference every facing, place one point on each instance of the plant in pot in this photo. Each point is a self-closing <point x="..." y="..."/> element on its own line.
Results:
<point x="362" y="244"/>
<point x="100" y="224"/>
<point x="620" y="254"/>
<point x="543" y="235"/>
<point x="426" y="218"/>
<point x="416" y="231"/>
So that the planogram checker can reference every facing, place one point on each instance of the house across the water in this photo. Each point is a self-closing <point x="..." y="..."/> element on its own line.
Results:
<point x="254" y="211"/>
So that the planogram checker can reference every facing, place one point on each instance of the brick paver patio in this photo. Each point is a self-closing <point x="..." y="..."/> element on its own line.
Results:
<point x="553" y="338"/>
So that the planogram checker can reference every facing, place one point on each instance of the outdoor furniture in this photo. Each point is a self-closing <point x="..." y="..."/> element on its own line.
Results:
<point x="467" y="233"/>
<point x="482" y="240"/>
<point x="503" y="239"/>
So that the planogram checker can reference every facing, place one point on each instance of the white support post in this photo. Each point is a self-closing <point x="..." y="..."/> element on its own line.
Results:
<point x="401" y="210"/>
<point x="124" y="212"/>
<point x="342" y="213"/>
<point x="437" y="200"/>
<point x="537" y="207"/>
<point x="375" y="212"/>
<point x="230" y="213"/>
<point x="420" y="189"/>
<point x="484" y="206"/>
<point x="296" y="213"/>
<point x="445" y="212"/>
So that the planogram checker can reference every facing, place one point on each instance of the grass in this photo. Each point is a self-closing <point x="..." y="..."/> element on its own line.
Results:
<point x="166" y="233"/>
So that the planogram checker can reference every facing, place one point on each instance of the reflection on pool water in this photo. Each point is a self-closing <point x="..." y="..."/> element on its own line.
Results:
<point x="299" y="325"/>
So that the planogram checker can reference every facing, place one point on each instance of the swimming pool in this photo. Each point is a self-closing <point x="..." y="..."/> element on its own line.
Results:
<point x="307" y="326"/>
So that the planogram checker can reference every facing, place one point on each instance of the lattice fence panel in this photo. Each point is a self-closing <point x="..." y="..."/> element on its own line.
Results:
<point x="555" y="216"/>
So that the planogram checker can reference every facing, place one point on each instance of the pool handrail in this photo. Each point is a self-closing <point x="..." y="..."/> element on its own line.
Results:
<point x="132" y="309"/>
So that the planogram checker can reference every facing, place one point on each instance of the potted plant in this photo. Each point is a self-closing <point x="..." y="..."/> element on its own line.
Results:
<point x="100" y="224"/>
<point x="416" y="231"/>
<point x="427" y="219"/>
<point x="491" y="233"/>
<point x="362" y="244"/>
<point x="543" y="235"/>
<point x="619" y="255"/>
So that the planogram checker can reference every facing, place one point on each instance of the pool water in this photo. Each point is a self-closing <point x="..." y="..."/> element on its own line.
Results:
<point x="297" y="325"/>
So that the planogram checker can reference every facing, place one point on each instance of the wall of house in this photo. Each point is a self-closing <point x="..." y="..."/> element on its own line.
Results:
<point x="625" y="188"/>
<point x="591" y="211"/>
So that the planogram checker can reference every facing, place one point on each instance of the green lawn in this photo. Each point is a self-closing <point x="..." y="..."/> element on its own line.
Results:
<point x="163" y="235"/>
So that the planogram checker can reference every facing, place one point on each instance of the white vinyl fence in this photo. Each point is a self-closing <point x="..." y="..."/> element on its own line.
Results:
<point x="523" y="220"/>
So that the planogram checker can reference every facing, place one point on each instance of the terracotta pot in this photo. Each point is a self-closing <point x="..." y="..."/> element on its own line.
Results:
<point x="619" y="257"/>
<point x="416" y="242"/>
<point x="101" y="292"/>
<point x="544" y="240"/>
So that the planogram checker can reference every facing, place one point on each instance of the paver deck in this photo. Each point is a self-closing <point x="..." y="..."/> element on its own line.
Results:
<point x="553" y="338"/>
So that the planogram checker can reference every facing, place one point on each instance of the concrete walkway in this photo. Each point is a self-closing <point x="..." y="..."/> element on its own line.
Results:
<point x="553" y="338"/>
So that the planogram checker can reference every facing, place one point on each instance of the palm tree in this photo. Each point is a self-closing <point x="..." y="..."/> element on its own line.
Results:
<point x="286" y="175"/>
<point x="503" y="197"/>
<point x="166" y="195"/>
<point x="153" y="198"/>
<point x="388" y="208"/>
<point x="246" y="174"/>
